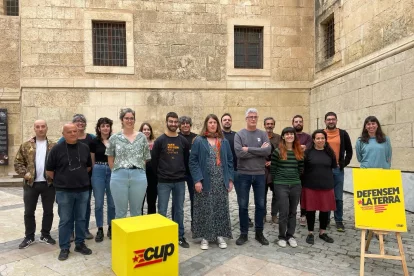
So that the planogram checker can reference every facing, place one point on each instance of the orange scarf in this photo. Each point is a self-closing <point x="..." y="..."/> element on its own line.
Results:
<point x="218" y="145"/>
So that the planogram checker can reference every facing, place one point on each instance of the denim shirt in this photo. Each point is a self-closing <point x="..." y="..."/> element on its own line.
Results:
<point x="198" y="162"/>
<point x="127" y="154"/>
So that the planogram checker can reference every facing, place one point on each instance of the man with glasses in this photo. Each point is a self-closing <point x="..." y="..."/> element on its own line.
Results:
<point x="185" y="124"/>
<point x="252" y="146"/>
<point x="341" y="144"/>
<point x="30" y="164"/>
<point x="169" y="160"/>
<point x="68" y="165"/>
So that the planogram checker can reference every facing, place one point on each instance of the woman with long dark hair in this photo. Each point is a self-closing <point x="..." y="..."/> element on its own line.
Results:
<point x="373" y="148"/>
<point x="101" y="176"/>
<point x="286" y="168"/>
<point x="152" y="181"/>
<point x="318" y="184"/>
<point x="211" y="166"/>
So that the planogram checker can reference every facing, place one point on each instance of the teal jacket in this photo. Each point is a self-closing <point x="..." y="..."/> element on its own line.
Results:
<point x="198" y="162"/>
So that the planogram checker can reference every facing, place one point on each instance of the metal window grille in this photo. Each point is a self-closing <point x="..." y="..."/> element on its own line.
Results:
<point x="109" y="44"/>
<point x="248" y="47"/>
<point x="12" y="7"/>
<point x="329" y="42"/>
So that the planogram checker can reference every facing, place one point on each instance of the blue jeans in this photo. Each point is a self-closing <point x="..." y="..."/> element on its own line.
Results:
<point x="190" y="187"/>
<point x="339" y="193"/>
<point x="242" y="183"/>
<point x="178" y="194"/>
<point x="101" y="176"/>
<point x="71" y="209"/>
<point x="128" y="185"/>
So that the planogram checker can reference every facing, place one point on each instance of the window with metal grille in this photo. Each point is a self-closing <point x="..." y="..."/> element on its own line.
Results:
<point x="329" y="38"/>
<point x="109" y="43"/>
<point x="248" y="47"/>
<point x="12" y="7"/>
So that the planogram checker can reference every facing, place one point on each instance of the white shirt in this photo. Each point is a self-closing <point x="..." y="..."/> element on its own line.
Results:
<point x="41" y="147"/>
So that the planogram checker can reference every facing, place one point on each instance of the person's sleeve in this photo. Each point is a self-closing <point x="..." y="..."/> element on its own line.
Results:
<point x="348" y="149"/>
<point x="388" y="152"/>
<point x="146" y="153"/>
<point x="358" y="150"/>
<point x="309" y="142"/>
<point x="92" y="146"/>
<point x="51" y="160"/>
<point x="186" y="154"/>
<point x="110" y="150"/>
<point x="274" y="161"/>
<point x="89" y="161"/>
<point x="238" y="148"/>
<point x="261" y="151"/>
<point x="194" y="163"/>
<point x="20" y="162"/>
<point x="229" y="160"/>
<point x="155" y="155"/>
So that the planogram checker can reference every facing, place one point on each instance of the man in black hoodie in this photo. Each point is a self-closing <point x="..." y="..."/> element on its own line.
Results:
<point x="169" y="160"/>
<point x="68" y="165"/>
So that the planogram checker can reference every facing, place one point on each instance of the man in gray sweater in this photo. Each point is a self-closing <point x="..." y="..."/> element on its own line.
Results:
<point x="252" y="147"/>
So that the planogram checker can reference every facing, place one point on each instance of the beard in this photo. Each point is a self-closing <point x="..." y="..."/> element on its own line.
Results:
<point x="330" y="127"/>
<point x="172" y="128"/>
<point x="299" y="128"/>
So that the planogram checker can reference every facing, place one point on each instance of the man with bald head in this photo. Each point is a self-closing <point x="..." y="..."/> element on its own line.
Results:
<point x="30" y="164"/>
<point x="68" y="165"/>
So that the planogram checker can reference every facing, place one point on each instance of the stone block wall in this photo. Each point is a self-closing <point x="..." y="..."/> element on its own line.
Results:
<point x="10" y="82"/>
<point x="383" y="89"/>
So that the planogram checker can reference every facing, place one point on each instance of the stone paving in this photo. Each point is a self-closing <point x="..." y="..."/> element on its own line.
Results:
<point x="339" y="258"/>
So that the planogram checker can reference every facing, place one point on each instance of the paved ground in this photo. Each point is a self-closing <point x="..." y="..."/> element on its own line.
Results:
<point x="339" y="258"/>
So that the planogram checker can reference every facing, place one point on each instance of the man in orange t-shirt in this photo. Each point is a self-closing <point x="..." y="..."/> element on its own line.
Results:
<point x="341" y="144"/>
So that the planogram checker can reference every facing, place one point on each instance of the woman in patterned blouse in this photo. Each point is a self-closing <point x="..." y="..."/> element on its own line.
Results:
<point x="127" y="153"/>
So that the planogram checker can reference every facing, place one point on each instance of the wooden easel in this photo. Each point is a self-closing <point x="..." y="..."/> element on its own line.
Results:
<point x="364" y="247"/>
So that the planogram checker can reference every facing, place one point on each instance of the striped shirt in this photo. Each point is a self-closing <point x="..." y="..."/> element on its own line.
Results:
<point x="286" y="172"/>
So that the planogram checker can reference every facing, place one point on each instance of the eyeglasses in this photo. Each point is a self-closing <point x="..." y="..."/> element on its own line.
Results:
<point x="252" y="117"/>
<point x="172" y="122"/>
<point x="79" y="121"/>
<point x="70" y="160"/>
<point x="129" y="118"/>
<point x="185" y="123"/>
<point x="331" y="120"/>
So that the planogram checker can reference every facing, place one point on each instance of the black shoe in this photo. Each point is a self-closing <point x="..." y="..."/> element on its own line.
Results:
<point x="81" y="248"/>
<point x="109" y="233"/>
<point x="64" y="254"/>
<point x="340" y="226"/>
<point x="99" y="235"/>
<point x="242" y="239"/>
<point x="310" y="239"/>
<point x="88" y="235"/>
<point x="326" y="238"/>
<point x="251" y="224"/>
<point x="26" y="243"/>
<point x="47" y="239"/>
<point x="72" y="237"/>
<point x="183" y="243"/>
<point x="260" y="238"/>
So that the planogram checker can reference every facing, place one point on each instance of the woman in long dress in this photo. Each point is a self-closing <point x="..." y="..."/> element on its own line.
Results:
<point x="211" y="166"/>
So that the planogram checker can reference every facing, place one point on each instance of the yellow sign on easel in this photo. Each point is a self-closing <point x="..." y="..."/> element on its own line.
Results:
<point x="379" y="200"/>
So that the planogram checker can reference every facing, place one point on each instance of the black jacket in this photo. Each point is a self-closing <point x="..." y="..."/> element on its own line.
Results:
<point x="345" y="150"/>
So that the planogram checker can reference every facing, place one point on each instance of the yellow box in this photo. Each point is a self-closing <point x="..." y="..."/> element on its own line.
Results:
<point x="145" y="245"/>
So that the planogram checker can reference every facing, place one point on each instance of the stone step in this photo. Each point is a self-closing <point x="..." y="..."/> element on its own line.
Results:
<point x="10" y="181"/>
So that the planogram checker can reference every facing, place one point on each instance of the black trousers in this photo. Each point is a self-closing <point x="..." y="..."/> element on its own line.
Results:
<point x="30" y="198"/>
<point x="323" y="220"/>
<point x="287" y="198"/>
<point x="152" y="193"/>
<point x="274" y="208"/>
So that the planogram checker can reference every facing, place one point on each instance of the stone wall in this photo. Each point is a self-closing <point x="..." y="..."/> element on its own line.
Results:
<point x="361" y="28"/>
<point x="58" y="105"/>
<point x="10" y="82"/>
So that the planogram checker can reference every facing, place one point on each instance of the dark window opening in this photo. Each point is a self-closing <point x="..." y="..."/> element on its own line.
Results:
<point x="329" y="38"/>
<point x="12" y="7"/>
<point x="109" y="44"/>
<point x="248" y="47"/>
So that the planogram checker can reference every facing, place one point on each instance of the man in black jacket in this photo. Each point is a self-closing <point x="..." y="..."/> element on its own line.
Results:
<point x="340" y="142"/>
<point x="68" y="165"/>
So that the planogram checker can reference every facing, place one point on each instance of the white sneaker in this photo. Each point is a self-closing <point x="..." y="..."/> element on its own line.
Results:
<point x="221" y="242"/>
<point x="204" y="244"/>
<point x="292" y="242"/>
<point x="281" y="243"/>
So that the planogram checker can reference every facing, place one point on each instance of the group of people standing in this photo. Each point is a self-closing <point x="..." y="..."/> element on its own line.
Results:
<point x="131" y="165"/>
